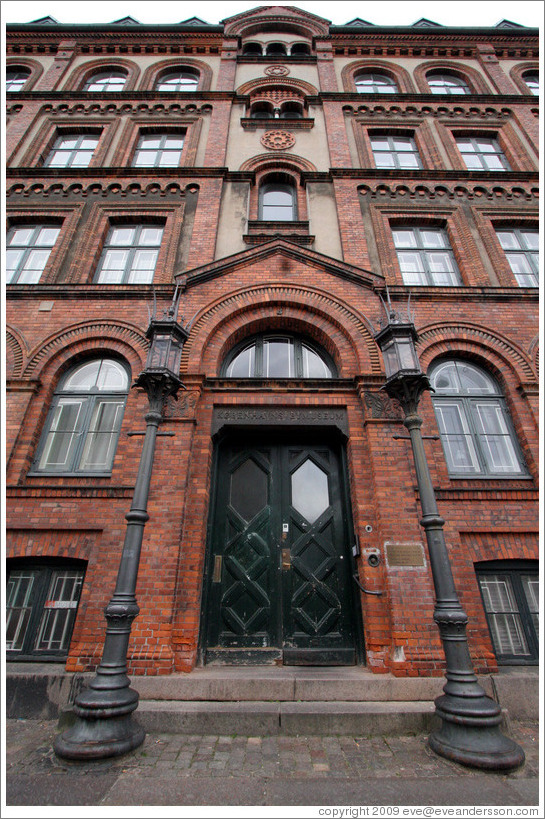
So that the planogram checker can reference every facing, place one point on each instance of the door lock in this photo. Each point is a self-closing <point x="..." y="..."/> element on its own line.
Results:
<point x="286" y="558"/>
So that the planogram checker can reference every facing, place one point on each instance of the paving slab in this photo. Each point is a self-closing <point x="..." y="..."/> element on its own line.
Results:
<point x="267" y="769"/>
<point x="480" y="790"/>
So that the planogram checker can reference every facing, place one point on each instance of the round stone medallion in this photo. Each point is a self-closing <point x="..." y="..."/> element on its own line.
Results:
<point x="277" y="71"/>
<point x="278" y="140"/>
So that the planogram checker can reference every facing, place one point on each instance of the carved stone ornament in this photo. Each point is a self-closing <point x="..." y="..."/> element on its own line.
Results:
<point x="382" y="406"/>
<point x="278" y="140"/>
<point x="277" y="71"/>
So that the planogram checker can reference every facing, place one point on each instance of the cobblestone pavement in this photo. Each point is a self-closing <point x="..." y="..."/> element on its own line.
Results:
<point x="333" y="759"/>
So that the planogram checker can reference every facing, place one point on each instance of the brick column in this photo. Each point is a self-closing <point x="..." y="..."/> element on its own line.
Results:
<point x="216" y="146"/>
<point x="203" y="237"/>
<point x="491" y="67"/>
<point x="228" y="65"/>
<point x="19" y="394"/>
<point x="339" y="152"/>
<point x="354" y="244"/>
<point x="326" y="70"/>
<point x="50" y="80"/>
<point x="19" y="124"/>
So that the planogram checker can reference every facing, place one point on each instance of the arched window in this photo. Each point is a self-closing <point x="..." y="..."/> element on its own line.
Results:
<point x="82" y="428"/>
<point x="16" y="78"/>
<point x="374" y="83"/>
<point x="278" y="356"/>
<point x="300" y="50"/>
<point x="252" y="50"/>
<point x="531" y="78"/>
<point x="442" y="82"/>
<point x="476" y="432"/>
<point x="276" y="50"/>
<point x="42" y="599"/>
<point x="262" y="110"/>
<point x="113" y="79"/>
<point x="182" y="79"/>
<point x="291" y="110"/>
<point x="277" y="200"/>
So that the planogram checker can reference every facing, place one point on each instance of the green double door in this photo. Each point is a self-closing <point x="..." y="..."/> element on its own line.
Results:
<point x="279" y="573"/>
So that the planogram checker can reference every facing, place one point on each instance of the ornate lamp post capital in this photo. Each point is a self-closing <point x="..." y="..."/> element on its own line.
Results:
<point x="470" y="731"/>
<point x="104" y="724"/>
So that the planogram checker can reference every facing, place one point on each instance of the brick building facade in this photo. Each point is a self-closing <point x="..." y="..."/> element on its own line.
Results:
<point x="282" y="171"/>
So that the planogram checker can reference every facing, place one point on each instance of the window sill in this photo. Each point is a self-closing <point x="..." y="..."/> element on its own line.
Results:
<point x="264" y="231"/>
<point x="250" y="124"/>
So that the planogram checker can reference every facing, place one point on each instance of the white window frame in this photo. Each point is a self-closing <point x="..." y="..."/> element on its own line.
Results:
<point x="489" y="440"/>
<point x="83" y="412"/>
<point x="72" y="155"/>
<point x="528" y="254"/>
<point x="394" y="151"/>
<point x="424" y="258"/>
<point x="128" y="272"/>
<point x="477" y="151"/>
<point x="23" y="271"/>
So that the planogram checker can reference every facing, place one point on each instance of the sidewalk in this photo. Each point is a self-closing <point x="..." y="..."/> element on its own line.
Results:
<point x="176" y="769"/>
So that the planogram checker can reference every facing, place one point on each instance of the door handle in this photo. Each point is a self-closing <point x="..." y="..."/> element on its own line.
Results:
<point x="286" y="559"/>
<point x="216" y="577"/>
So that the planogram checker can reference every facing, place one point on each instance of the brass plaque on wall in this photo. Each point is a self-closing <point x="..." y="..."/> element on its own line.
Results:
<point x="405" y="554"/>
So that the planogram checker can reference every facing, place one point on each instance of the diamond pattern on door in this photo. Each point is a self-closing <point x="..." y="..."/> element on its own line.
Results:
<point x="280" y="583"/>
<point x="310" y="490"/>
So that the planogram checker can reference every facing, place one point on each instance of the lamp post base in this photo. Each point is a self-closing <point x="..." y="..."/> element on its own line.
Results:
<point x="99" y="738"/>
<point x="470" y="734"/>
<point x="104" y="724"/>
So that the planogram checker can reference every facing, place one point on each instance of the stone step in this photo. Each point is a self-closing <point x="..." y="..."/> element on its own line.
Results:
<point x="288" y="685"/>
<point x="290" y="718"/>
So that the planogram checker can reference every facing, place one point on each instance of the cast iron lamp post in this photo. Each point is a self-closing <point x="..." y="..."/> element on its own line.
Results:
<point x="470" y="731"/>
<point x="104" y="724"/>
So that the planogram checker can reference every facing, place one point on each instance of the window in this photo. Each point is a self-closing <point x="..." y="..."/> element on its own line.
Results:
<point x="276" y="50"/>
<point x="179" y="80"/>
<point x="16" y="78"/>
<point x="252" y="50"/>
<point x="41" y="607"/>
<point x="277" y="201"/>
<point x="300" y="50"/>
<point x="482" y="154"/>
<point x="82" y="428"/>
<point x="395" y="152"/>
<point x="72" y="151"/>
<point x="262" y="110"/>
<point x="278" y="356"/>
<point x="375" y="84"/>
<point x="444" y="83"/>
<point x="531" y="78"/>
<point x="130" y="255"/>
<point x="291" y="110"/>
<point x="521" y="246"/>
<point x="27" y="252"/>
<point x="510" y="593"/>
<point x="111" y="80"/>
<point x="426" y="257"/>
<point x="159" y="151"/>
<point x="476" y="432"/>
